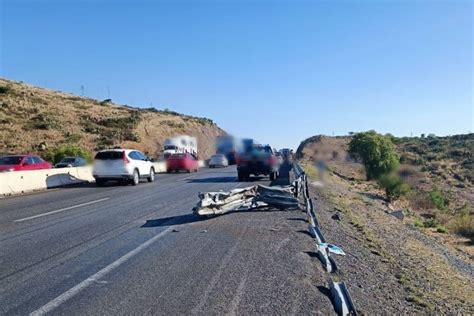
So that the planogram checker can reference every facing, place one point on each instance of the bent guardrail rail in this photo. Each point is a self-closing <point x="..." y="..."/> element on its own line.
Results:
<point x="340" y="296"/>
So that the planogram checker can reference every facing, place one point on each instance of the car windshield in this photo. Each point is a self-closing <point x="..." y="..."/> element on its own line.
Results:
<point x="171" y="147"/>
<point x="68" y="160"/>
<point x="109" y="155"/>
<point x="217" y="157"/>
<point x="10" y="160"/>
<point x="178" y="156"/>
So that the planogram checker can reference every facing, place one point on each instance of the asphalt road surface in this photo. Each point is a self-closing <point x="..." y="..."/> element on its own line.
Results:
<point x="140" y="250"/>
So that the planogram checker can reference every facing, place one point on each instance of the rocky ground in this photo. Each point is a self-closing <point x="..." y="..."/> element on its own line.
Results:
<point x="390" y="266"/>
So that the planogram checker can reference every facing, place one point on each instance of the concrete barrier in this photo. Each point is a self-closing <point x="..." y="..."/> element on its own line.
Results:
<point x="27" y="181"/>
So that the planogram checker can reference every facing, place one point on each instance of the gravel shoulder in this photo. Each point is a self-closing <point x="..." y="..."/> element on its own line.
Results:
<point x="390" y="266"/>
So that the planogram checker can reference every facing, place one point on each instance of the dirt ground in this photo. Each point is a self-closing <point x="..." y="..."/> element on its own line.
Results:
<point x="390" y="266"/>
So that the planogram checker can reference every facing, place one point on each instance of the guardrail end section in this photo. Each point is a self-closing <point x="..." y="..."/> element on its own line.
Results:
<point x="341" y="298"/>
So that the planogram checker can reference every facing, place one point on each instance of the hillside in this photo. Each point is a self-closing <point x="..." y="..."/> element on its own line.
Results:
<point x="415" y="254"/>
<point x="35" y="119"/>
<point x="439" y="170"/>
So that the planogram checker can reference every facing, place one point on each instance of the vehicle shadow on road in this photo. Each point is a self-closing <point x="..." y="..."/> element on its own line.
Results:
<point x="213" y="180"/>
<point x="173" y="220"/>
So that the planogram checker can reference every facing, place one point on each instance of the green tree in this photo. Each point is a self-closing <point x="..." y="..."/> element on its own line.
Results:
<point x="376" y="152"/>
<point x="394" y="186"/>
<point x="56" y="154"/>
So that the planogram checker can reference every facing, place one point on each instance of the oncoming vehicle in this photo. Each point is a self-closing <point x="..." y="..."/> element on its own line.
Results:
<point x="181" y="162"/>
<point x="22" y="163"/>
<point x="257" y="160"/>
<point x="123" y="165"/>
<point x="71" y="162"/>
<point x="218" y="160"/>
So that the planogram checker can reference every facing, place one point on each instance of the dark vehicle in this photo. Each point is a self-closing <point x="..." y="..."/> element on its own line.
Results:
<point x="71" y="162"/>
<point x="287" y="154"/>
<point x="257" y="160"/>
<point x="22" y="163"/>
<point x="227" y="146"/>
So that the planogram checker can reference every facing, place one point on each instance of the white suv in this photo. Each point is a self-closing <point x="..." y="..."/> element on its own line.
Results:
<point x="124" y="165"/>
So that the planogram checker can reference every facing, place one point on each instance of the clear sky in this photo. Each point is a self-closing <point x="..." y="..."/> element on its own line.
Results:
<point x="278" y="71"/>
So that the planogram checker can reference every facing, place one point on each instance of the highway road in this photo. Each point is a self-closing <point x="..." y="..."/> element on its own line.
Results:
<point x="140" y="250"/>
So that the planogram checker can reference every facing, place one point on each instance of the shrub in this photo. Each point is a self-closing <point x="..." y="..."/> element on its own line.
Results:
<point x="394" y="186"/>
<point x="105" y="102"/>
<point x="376" y="152"/>
<point x="441" y="229"/>
<point x="42" y="121"/>
<point x="56" y="154"/>
<point x="431" y="223"/>
<point x="418" y="222"/>
<point x="5" y="89"/>
<point x="439" y="200"/>
<point x="72" y="138"/>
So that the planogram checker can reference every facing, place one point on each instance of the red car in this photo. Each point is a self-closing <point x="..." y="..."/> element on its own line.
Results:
<point x="22" y="163"/>
<point x="178" y="162"/>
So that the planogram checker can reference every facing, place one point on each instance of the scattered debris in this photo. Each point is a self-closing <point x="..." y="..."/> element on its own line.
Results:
<point x="333" y="248"/>
<point x="217" y="203"/>
<point x="336" y="217"/>
<point x="204" y="231"/>
<point x="175" y="230"/>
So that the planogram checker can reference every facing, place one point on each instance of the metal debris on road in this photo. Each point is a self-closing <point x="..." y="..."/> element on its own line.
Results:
<point x="217" y="203"/>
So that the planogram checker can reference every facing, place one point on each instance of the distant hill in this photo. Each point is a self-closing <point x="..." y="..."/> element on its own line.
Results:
<point x="439" y="170"/>
<point x="35" y="119"/>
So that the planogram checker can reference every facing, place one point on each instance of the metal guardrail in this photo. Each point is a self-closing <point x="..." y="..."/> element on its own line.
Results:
<point x="340" y="296"/>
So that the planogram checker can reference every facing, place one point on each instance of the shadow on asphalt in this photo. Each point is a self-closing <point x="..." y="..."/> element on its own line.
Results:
<point x="173" y="220"/>
<point x="213" y="180"/>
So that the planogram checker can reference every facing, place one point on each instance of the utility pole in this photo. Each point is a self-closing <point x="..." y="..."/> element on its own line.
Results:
<point x="108" y="92"/>
<point x="82" y="90"/>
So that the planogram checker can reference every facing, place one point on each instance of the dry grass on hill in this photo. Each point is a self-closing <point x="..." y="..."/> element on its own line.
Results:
<point x="34" y="119"/>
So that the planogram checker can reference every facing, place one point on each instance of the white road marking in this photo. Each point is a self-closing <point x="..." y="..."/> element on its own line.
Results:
<point x="60" y="210"/>
<point x="188" y="177"/>
<point x="51" y="305"/>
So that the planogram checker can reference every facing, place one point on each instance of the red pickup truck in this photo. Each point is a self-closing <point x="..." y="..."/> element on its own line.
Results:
<point x="257" y="160"/>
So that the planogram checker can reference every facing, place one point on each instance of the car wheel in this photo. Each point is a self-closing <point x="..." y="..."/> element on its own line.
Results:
<point x="240" y="177"/>
<point x="99" y="182"/>
<point x="151" y="178"/>
<point x="136" y="177"/>
<point x="189" y="170"/>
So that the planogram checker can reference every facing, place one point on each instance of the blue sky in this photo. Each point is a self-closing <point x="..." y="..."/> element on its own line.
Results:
<point x="278" y="71"/>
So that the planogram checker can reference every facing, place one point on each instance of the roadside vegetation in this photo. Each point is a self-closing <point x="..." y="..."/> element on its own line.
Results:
<point x="36" y="120"/>
<point x="56" y="154"/>
<point x="430" y="178"/>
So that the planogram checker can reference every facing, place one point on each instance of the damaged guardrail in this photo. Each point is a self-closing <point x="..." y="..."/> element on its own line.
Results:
<point x="340" y="296"/>
<point x="259" y="196"/>
<point x="217" y="203"/>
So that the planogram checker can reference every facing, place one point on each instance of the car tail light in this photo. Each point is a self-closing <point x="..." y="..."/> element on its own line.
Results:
<point x="124" y="157"/>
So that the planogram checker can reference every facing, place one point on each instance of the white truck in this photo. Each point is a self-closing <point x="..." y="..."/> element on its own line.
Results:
<point x="180" y="145"/>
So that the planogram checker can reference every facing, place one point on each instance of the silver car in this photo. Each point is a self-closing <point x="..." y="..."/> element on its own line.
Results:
<point x="218" y="161"/>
